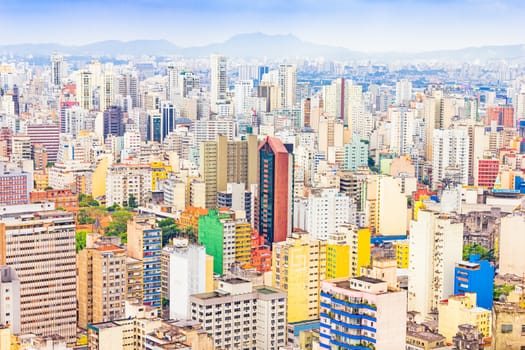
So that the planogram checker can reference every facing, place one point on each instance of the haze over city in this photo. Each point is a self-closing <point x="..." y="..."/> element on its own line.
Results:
<point x="370" y="26"/>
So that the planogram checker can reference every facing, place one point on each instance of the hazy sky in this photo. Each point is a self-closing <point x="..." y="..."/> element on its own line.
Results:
<point x="366" y="25"/>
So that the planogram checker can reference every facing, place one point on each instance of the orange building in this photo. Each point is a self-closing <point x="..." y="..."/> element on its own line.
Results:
<point x="261" y="255"/>
<point x="502" y="115"/>
<point x="62" y="198"/>
<point x="190" y="218"/>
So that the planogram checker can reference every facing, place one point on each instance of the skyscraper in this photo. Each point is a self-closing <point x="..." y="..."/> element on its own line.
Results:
<point x="39" y="242"/>
<point x="113" y="123"/>
<point x="85" y="88"/>
<point x="57" y="69"/>
<point x="288" y="84"/>
<point x="450" y="151"/>
<point x="144" y="243"/>
<point x="219" y="80"/>
<point x="275" y="190"/>
<point x="167" y="111"/>
<point x="102" y="278"/>
<point x="435" y="248"/>
<point x="403" y="92"/>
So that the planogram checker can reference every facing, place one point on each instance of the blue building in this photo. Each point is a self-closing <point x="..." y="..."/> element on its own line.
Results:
<point x="475" y="276"/>
<point x="145" y="244"/>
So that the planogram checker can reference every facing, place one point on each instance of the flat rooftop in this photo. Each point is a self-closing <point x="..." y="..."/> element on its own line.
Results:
<point x="368" y="279"/>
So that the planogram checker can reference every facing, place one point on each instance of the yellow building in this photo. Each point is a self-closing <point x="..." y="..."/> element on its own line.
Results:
<point x="347" y="251"/>
<point x="98" y="185"/>
<point x="337" y="260"/>
<point x="418" y="205"/>
<point x="462" y="309"/>
<point x="5" y="337"/>
<point x="298" y="267"/>
<point x="402" y="254"/>
<point x="388" y="212"/>
<point x="507" y="326"/>
<point x="243" y="243"/>
<point x="41" y="179"/>
<point x="159" y="171"/>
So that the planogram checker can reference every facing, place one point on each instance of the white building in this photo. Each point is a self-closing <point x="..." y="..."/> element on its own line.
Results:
<point x="184" y="273"/>
<point x="65" y="175"/>
<point x="403" y="92"/>
<point x="241" y="316"/>
<point x="288" y="84"/>
<point x="512" y="241"/>
<point x="243" y="93"/>
<point x="210" y="129"/>
<point x="362" y="312"/>
<point x="323" y="211"/>
<point x="219" y="80"/>
<point x="402" y="127"/>
<point x="124" y="180"/>
<point x="10" y="298"/>
<point x="450" y="149"/>
<point x="435" y="245"/>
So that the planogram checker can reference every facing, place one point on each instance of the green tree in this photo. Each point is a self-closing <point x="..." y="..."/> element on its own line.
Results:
<point x="484" y="253"/>
<point x="503" y="289"/>
<point x="170" y="230"/>
<point x="119" y="225"/>
<point x="80" y="240"/>
<point x="132" y="201"/>
<point x="84" y="217"/>
<point x="87" y="201"/>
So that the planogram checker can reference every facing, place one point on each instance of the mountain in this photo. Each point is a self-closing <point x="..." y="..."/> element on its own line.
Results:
<point x="272" y="46"/>
<point x="100" y="48"/>
<point x="257" y="45"/>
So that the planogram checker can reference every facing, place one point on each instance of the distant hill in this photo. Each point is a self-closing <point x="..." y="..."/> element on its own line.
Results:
<point x="256" y="45"/>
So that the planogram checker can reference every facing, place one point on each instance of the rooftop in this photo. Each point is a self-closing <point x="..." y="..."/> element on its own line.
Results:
<point x="368" y="279"/>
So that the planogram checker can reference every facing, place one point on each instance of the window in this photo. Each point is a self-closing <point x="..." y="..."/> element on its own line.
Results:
<point x="506" y="328"/>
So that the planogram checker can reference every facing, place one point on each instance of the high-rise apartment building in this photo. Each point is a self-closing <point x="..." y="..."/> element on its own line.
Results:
<point x="362" y="313"/>
<point x="113" y="121"/>
<point x="186" y="270"/>
<point x="450" y="156"/>
<point x="298" y="267"/>
<point x="241" y="316"/>
<point x="356" y="154"/>
<point x="403" y="92"/>
<point x="275" y="190"/>
<point x="501" y="116"/>
<point x="57" y="69"/>
<point x="102" y="280"/>
<point x="48" y="135"/>
<point x="126" y="180"/>
<point x="144" y="244"/>
<point x="436" y="242"/>
<point x="15" y="186"/>
<point x="219" y="80"/>
<point x="85" y="90"/>
<point x="223" y="162"/>
<point x="39" y="242"/>
<point x="387" y="206"/>
<point x="287" y="85"/>
<point x="323" y="211"/>
<point x="226" y="238"/>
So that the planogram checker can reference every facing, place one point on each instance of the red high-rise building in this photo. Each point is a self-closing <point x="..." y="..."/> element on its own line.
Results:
<point x="503" y="115"/>
<point x="488" y="170"/>
<point x="275" y="190"/>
